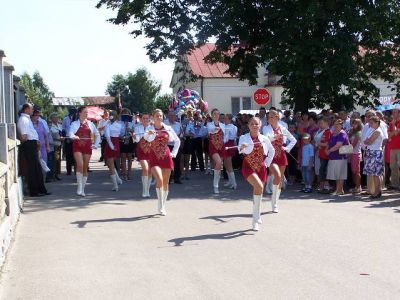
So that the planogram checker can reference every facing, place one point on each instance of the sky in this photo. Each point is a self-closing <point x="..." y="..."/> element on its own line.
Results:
<point x="73" y="46"/>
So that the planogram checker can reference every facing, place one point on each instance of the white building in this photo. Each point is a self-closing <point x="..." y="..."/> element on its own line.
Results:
<point x="228" y="93"/>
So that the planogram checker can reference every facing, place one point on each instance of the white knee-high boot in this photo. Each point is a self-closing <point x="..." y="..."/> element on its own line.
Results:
<point x="217" y="174"/>
<point x="114" y="182"/>
<point x="84" y="180"/>
<point x="232" y="179"/>
<point x="276" y="191"/>
<point x="119" y="180"/>
<point x="164" y="202"/>
<point x="79" y="182"/>
<point x="145" y="181"/>
<point x="149" y="178"/>
<point x="256" y="211"/>
<point x="160" y="195"/>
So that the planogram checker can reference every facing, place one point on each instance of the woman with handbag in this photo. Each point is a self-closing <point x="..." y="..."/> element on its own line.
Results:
<point x="258" y="155"/>
<point x="374" y="163"/>
<point x="337" y="165"/>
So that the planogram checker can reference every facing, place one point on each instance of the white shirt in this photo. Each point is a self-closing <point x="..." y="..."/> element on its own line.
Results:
<point x="284" y="124"/>
<point x="211" y="128"/>
<point x="231" y="132"/>
<point x="268" y="131"/>
<point x="140" y="131"/>
<point x="25" y="126"/>
<point x="112" y="130"/>
<point x="366" y="132"/>
<point x="177" y="127"/>
<point x="377" y="144"/>
<point x="102" y="123"/>
<point x="129" y="125"/>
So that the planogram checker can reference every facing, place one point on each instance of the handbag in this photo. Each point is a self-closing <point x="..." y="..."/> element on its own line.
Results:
<point x="346" y="149"/>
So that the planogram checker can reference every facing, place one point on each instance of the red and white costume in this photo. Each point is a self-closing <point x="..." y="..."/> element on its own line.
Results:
<point x="111" y="133"/>
<point x="258" y="156"/>
<point x="216" y="136"/>
<point x="281" y="145"/>
<point x="83" y="145"/>
<point x="161" y="156"/>
<point x="143" y="149"/>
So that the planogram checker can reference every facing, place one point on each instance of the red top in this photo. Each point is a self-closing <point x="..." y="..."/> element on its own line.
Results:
<point x="395" y="140"/>
<point x="324" y="139"/>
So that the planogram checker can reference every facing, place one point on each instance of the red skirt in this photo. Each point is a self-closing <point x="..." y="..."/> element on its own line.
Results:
<point x="82" y="146"/>
<point x="261" y="172"/>
<point x="108" y="153"/>
<point x="280" y="158"/>
<point x="164" y="162"/>
<point x="143" y="150"/>
<point x="213" y="150"/>
<point x="232" y="151"/>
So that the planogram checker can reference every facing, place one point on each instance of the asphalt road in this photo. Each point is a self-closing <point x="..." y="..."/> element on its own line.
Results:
<point x="113" y="245"/>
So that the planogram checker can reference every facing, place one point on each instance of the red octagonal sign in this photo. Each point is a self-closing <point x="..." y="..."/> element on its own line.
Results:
<point x="262" y="96"/>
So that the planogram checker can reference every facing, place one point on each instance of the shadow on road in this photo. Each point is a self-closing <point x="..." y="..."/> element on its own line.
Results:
<point x="226" y="218"/>
<point x="83" y="223"/>
<point x="217" y="236"/>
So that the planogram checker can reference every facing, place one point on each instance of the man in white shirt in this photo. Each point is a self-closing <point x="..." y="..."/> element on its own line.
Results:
<point x="177" y="127"/>
<point x="29" y="152"/>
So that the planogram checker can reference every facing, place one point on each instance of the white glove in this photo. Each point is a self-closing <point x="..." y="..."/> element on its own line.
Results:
<point x="94" y="147"/>
<point x="173" y="156"/>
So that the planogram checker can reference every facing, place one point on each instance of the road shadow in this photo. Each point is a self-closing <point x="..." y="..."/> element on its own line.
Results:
<point x="83" y="223"/>
<point x="217" y="236"/>
<point x="384" y="204"/>
<point x="227" y="218"/>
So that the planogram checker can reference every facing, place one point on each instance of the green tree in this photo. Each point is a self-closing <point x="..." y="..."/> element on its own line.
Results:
<point x="325" y="50"/>
<point x="38" y="92"/>
<point x="138" y="91"/>
<point x="163" y="102"/>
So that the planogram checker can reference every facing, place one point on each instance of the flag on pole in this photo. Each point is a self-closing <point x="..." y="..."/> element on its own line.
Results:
<point x="119" y="102"/>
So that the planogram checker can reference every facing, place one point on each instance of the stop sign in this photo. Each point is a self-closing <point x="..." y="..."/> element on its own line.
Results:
<point x="262" y="96"/>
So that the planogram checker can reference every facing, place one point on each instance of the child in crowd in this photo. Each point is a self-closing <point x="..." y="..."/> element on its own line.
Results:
<point x="307" y="163"/>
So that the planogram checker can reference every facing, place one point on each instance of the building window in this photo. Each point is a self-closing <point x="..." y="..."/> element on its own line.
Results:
<point x="240" y="103"/>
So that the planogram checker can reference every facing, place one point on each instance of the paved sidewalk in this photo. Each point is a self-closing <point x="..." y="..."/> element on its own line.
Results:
<point x="112" y="245"/>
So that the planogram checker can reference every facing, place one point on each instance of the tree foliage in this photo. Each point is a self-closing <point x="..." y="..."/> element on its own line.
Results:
<point x="38" y="92"/>
<point x="138" y="91"/>
<point x="325" y="50"/>
<point x="163" y="102"/>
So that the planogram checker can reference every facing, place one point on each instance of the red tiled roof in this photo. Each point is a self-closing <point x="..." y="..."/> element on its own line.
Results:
<point x="200" y="68"/>
<point x="100" y="100"/>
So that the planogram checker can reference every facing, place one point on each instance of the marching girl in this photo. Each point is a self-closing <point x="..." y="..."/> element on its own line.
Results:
<point x="127" y="147"/>
<point x="216" y="150"/>
<point x="230" y="138"/>
<point x="258" y="155"/>
<point x="81" y="132"/>
<point x="160" y="158"/>
<point x="143" y="152"/>
<point x="111" y="150"/>
<point x="282" y="141"/>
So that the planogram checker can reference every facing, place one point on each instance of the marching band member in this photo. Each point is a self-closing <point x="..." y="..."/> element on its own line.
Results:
<point x="111" y="151"/>
<point x="143" y="152"/>
<point x="283" y="141"/>
<point x="216" y="133"/>
<point x="258" y="155"/>
<point x="81" y="132"/>
<point x="230" y="138"/>
<point x="126" y="145"/>
<point x="177" y="127"/>
<point x="160" y="159"/>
